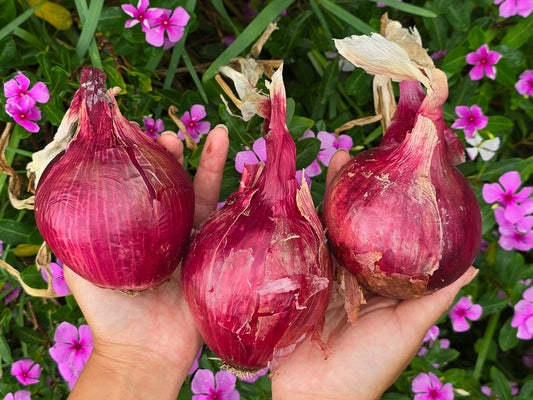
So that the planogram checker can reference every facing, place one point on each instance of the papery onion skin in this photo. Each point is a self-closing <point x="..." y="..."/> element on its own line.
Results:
<point x="258" y="272"/>
<point x="115" y="207"/>
<point x="400" y="217"/>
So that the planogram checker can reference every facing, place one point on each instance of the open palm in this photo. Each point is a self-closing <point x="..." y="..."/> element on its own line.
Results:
<point x="366" y="358"/>
<point x="154" y="329"/>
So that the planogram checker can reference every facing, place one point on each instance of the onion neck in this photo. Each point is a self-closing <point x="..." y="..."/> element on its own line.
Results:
<point x="280" y="167"/>
<point x="95" y="124"/>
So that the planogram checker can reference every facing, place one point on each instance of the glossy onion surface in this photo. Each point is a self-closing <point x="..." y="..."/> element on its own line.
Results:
<point x="115" y="207"/>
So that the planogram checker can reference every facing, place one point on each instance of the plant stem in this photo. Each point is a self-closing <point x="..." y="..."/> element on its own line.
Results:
<point x="485" y="344"/>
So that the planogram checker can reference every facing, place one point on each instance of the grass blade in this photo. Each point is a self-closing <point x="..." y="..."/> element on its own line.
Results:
<point x="408" y="8"/>
<point x="347" y="17"/>
<point x="9" y="28"/>
<point x="89" y="18"/>
<point x="248" y="35"/>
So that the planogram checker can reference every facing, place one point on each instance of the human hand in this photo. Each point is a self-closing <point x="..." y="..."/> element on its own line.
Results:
<point x="145" y="344"/>
<point x="366" y="357"/>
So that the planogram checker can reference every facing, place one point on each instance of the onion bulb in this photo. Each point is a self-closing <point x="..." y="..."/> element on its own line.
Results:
<point x="115" y="206"/>
<point x="400" y="216"/>
<point x="257" y="275"/>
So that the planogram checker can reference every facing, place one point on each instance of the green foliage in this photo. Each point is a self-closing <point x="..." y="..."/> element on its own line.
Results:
<point x="322" y="95"/>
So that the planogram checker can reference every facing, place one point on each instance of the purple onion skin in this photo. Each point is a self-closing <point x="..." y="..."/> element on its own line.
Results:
<point x="411" y="97"/>
<point x="115" y="207"/>
<point x="258" y="272"/>
<point x="401" y="217"/>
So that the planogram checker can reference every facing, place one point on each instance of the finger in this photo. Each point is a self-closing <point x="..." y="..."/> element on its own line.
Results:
<point x="421" y="313"/>
<point x="172" y="143"/>
<point x="208" y="176"/>
<point x="340" y="158"/>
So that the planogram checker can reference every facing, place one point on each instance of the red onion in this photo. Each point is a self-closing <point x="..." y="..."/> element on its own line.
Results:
<point x="258" y="272"/>
<point x="401" y="217"/>
<point x="115" y="207"/>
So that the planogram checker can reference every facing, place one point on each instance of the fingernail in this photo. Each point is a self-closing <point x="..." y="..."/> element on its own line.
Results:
<point x="470" y="274"/>
<point x="169" y="132"/>
<point x="222" y="126"/>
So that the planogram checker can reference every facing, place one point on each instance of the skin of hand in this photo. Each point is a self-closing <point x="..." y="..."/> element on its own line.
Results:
<point x="144" y="345"/>
<point x="366" y="358"/>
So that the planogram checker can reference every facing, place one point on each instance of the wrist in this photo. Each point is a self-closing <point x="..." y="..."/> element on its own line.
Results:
<point x="123" y="372"/>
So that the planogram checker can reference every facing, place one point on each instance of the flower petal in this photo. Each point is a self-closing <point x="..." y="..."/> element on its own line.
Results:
<point x="259" y="148"/>
<point x="476" y="73"/>
<point x="203" y="382"/>
<point x="66" y="333"/>
<point x="421" y="383"/>
<point x="225" y="381"/>
<point x="244" y="157"/>
<point x="39" y="92"/>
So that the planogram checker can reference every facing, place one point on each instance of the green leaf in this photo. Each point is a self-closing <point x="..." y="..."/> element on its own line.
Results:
<point x="14" y="232"/>
<point x="519" y="35"/>
<point x="499" y="123"/>
<point x="507" y="338"/>
<point x="476" y="37"/>
<point x="33" y="278"/>
<point x="114" y="78"/>
<point x="27" y="335"/>
<point x="347" y="17"/>
<point x="306" y="152"/>
<point x="455" y="60"/>
<point x="505" y="74"/>
<point x="53" y="113"/>
<point x="5" y="318"/>
<point x="299" y="125"/>
<point x="8" y="49"/>
<point x="359" y="81"/>
<point x="501" y="386"/>
<point x="248" y="36"/>
<point x="5" y="351"/>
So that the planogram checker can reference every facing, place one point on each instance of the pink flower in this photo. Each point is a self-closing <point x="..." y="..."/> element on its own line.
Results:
<point x="19" y="395"/>
<point x="151" y="127"/>
<point x="252" y="378"/>
<point x="517" y="235"/>
<point x="513" y="7"/>
<point x="26" y="371"/>
<point x="487" y="391"/>
<point x="329" y="144"/>
<point x="462" y="311"/>
<point x="483" y="61"/>
<point x="485" y="148"/>
<point x="523" y="316"/>
<point x="429" y="387"/>
<point x="524" y="86"/>
<point x="141" y="14"/>
<point x="439" y="54"/>
<point x="72" y="346"/>
<point x="204" y="388"/>
<point x="24" y="112"/>
<point x="431" y="337"/>
<point x="505" y="193"/>
<point x="12" y="292"/>
<point x="173" y="25"/>
<point x="58" y="280"/>
<point x="194" y="365"/>
<point x="17" y="88"/>
<point x="527" y="358"/>
<point x="192" y="121"/>
<point x="257" y="154"/>
<point x="470" y="119"/>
